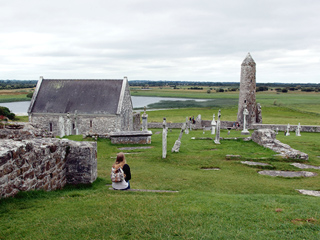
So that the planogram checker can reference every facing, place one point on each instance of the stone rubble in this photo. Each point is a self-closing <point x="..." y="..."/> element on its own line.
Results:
<point x="267" y="138"/>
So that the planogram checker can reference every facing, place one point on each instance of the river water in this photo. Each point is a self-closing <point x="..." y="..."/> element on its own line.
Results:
<point x="21" y="108"/>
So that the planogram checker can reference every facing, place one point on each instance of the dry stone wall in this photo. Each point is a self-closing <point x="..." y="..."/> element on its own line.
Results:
<point x="44" y="163"/>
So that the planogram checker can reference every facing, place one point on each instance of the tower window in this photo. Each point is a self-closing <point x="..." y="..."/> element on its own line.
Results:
<point x="50" y="127"/>
<point x="91" y="123"/>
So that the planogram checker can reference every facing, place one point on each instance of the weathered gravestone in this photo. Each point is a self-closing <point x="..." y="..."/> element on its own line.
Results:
<point x="213" y="125"/>
<point x="288" y="130"/>
<point x="245" y="114"/>
<point x="144" y="120"/>
<point x="177" y="144"/>
<point x="217" y="139"/>
<point x="164" y="138"/>
<point x="298" y="130"/>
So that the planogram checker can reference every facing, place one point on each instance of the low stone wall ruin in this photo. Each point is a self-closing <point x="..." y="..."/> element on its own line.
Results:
<point x="267" y="138"/>
<point x="43" y="163"/>
<point x="229" y="124"/>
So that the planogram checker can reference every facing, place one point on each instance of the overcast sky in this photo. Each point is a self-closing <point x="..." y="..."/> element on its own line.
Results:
<point x="196" y="40"/>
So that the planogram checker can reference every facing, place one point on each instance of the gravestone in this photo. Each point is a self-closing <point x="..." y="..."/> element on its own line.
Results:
<point x="259" y="114"/>
<point x="187" y="126"/>
<point x="213" y="125"/>
<point x="164" y="138"/>
<point x="177" y="144"/>
<point x="217" y="139"/>
<point x="145" y="120"/>
<point x="288" y="130"/>
<point x="298" y="130"/>
<point x="245" y="114"/>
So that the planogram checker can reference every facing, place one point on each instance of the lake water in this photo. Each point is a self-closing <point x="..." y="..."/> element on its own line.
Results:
<point x="21" y="108"/>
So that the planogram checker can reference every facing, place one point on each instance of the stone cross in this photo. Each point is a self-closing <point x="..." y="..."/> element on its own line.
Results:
<point x="145" y="120"/>
<point x="213" y="125"/>
<point x="298" y="130"/>
<point x="164" y="138"/>
<point x="187" y="128"/>
<point x="177" y="144"/>
<point x="288" y="130"/>
<point x="245" y="114"/>
<point x="217" y="139"/>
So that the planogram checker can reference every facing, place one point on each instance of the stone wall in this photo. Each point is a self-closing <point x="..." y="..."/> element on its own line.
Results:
<point x="64" y="125"/>
<point x="45" y="164"/>
<point x="281" y="127"/>
<point x="229" y="124"/>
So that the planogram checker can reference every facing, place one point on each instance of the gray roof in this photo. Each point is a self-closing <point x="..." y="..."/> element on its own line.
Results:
<point x="85" y="96"/>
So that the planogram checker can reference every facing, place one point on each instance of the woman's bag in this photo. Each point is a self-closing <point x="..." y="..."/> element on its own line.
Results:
<point x="117" y="175"/>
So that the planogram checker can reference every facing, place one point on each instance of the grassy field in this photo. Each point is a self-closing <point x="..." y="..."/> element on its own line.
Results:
<point x="234" y="202"/>
<point x="14" y="95"/>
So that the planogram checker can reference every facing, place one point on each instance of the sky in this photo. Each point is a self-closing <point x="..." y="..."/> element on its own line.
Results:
<point x="178" y="40"/>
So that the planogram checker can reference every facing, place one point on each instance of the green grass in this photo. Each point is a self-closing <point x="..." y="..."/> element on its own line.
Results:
<point x="233" y="203"/>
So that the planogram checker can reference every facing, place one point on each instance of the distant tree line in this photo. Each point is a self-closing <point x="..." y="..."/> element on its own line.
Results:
<point x="17" y="84"/>
<point x="231" y="85"/>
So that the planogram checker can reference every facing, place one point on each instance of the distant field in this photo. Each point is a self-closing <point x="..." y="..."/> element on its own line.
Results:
<point x="279" y="108"/>
<point x="14" y="95"/>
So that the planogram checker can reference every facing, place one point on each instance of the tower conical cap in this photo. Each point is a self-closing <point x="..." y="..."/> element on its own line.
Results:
<point x="248" y="61"/>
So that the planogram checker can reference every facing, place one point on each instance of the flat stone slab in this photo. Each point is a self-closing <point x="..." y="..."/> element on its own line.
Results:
<point x="233" y="157"/>
<point x="208" y="168"/>
<point x="146" y="190"/>
<point x="133" y="148"/>
<point x="309" y="192"/>
<point x="255" y="163"/>
<point x="304" y="166"/>
<point x="275" y="173"/>
<point x="201" y="138"/>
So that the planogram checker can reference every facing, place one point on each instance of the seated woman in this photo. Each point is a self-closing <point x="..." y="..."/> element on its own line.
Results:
<point x="121" y="163"/>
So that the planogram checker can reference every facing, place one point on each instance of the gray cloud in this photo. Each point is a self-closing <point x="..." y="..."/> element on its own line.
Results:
<point x="202" y="40"/>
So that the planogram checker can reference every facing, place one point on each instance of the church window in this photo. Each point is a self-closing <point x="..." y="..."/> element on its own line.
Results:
<point x="91" y="123"/>
<point x="50" y="127"/>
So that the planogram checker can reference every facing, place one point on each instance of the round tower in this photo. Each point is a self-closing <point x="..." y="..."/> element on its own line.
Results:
<point x="247" y="95"/>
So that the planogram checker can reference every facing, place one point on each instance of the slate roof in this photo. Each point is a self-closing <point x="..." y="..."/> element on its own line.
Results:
<point x="86" y="96"/>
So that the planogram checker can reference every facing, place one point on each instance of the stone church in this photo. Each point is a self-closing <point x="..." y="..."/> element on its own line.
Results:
<point x="81" y="106"/>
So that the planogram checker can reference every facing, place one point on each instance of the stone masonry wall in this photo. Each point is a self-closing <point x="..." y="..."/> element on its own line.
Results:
<point x="45" y="164"/>
<point x="83" y="124"/>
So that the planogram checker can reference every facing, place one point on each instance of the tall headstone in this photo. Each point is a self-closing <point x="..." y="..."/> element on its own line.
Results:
<point x="187" y="126"/>
<point x="177" y="144"/>
<point x="288" y="130"/>
<point x="247" y="95"/>
<point x="213" y="125"/>
<point x="259" y="113"/>
<point x="164" y="138"/>
<point x="217" y="138"/>
<point x="298" y="130"/>
<point x="145" y="120"/>
<point x="245" y="114"/>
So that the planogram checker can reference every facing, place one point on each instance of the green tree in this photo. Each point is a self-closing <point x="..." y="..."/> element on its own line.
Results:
<point x="4" y="111"/>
